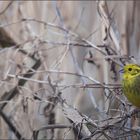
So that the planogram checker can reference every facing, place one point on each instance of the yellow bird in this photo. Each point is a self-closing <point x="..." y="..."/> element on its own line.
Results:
<point x="131" y="83"/>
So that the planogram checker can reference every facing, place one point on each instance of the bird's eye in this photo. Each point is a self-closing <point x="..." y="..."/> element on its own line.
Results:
<point x="130" y="69"/>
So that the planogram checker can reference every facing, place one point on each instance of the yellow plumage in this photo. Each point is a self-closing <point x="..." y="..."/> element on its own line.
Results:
<point x="131" y="83"/>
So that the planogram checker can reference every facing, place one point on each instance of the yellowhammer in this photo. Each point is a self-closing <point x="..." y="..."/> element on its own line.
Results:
<point x="131" y="83"/>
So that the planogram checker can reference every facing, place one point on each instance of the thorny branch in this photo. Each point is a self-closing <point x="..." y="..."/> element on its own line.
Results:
<point x="7" y="96"/>
<point x="13" y="92"/>
<point x="83" y="122"/>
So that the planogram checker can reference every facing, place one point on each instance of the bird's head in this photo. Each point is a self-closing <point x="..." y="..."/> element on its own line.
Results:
<point x="130" y="70"/>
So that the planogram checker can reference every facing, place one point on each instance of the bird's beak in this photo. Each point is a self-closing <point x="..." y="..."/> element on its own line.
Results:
<point x="121" y="71"/>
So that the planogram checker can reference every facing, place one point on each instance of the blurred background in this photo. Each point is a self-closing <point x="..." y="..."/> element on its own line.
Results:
<point x="59" y="69"/>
